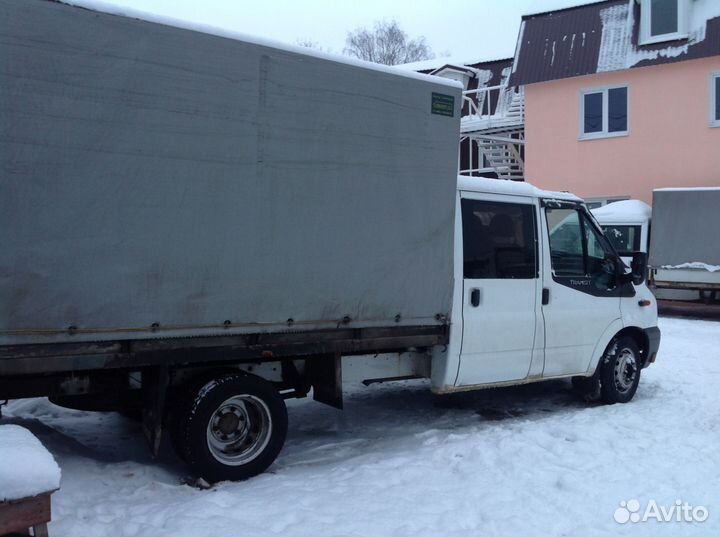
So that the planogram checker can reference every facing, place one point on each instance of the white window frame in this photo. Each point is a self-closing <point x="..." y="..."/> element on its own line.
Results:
<point x="646" y="19"/>
<point x="604" y="133"/>
<point x="714" y="120"/>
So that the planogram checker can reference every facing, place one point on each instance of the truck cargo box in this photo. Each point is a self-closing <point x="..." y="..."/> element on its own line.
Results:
<point x="685" y="243"/>
<point x="685" y="224"/>
<point x="157" y="181"/>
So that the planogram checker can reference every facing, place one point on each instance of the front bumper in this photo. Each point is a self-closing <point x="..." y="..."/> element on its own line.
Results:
<point x="653" y="337"/>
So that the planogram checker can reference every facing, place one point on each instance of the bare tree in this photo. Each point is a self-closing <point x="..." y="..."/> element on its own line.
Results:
<point x="386" y="43"/>
<point x="311" y="43"/>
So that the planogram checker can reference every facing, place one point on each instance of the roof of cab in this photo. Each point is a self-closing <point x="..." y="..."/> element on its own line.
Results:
<point x="625" y="211"/>
<point x="512" y="188"/>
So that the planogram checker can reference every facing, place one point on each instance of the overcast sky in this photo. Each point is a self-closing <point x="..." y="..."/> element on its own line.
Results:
<point x="463" y="29"/>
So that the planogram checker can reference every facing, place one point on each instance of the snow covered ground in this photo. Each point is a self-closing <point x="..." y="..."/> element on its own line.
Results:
<point x="400" y="461"/>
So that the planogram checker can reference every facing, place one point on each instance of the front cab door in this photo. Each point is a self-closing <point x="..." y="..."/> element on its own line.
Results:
<point x="581" y="296"/>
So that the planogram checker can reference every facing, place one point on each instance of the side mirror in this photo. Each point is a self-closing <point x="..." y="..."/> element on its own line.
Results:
<point x="639" y="267"/>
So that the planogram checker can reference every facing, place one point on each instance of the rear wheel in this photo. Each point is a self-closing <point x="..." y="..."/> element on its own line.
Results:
<point x="620" y="371"/>
<point x="232" y="428"/>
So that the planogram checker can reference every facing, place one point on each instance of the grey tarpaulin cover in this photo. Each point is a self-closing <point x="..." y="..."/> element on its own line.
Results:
<point x="685" y="227"/>
<point x="152" y="174"/>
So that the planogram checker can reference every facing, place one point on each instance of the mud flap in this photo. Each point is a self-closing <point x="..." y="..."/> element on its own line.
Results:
<point x="155" y="383"/>
<point x="326" y="377"/>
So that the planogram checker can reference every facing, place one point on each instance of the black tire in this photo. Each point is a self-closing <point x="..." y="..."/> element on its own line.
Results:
<point x="232" y="428"/>
<point x="620" y="369"/>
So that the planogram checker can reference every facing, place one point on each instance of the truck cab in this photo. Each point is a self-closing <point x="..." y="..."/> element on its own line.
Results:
<point x="626" y="224"/>
<point x="540" y="293"/>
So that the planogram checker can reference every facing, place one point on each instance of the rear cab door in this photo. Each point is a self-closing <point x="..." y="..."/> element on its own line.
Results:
<point x="502" y="325"/>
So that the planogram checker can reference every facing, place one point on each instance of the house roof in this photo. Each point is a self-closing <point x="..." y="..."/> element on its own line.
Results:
<point x="484" y="73"/>
<point x="602" y="37"/>
<point x="458" y="68"/>
<point x="427" y="66"/>
<point x="558" y="5"/>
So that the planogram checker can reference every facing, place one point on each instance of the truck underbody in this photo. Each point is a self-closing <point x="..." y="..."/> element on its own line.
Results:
<point x="89" y="368"/>
<point x="155" y="378"/>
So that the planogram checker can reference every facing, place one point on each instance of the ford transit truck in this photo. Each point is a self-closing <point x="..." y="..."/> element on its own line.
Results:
<point x="198" y="226"/>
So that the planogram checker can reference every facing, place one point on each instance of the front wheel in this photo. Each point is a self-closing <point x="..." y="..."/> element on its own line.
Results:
<point x="232" y="429"/>
<point x="620" y="371"/>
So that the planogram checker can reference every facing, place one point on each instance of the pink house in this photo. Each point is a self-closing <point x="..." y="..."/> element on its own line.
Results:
<point x="621" y="97"/>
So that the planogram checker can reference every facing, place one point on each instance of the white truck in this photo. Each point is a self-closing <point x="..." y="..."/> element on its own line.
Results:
<point x="626" y="224"/>
<point x="684" y="253"/>
<point x="199" y="227"/>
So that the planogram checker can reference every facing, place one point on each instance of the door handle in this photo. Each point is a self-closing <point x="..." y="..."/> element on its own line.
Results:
<point x="545" y="296"/>
<point x="475" y="297"/>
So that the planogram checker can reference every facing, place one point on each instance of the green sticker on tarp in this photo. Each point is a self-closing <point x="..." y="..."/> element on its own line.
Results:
<point x="443" y="105"/>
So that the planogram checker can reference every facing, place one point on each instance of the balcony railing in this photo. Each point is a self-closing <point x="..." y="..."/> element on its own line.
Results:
<point x="493" y="107"/>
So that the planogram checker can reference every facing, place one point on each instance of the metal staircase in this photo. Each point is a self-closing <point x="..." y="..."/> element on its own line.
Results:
<point x="503" y="156"/>
<point x="516" y="106"/>
<point x="485" y="154"/>
<point x="493" y="132"/>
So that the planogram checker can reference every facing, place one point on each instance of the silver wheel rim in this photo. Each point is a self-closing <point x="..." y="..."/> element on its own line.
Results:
<point x="625" y="370"/>
<point x="239" y="430"/>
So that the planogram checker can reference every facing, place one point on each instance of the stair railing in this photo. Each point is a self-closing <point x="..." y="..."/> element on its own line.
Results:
<point x="479" y="101"/>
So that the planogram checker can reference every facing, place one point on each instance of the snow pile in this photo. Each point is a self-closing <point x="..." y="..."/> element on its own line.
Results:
<point x="483" y="76"/>
<point x="696" y="265"/>
<point x="516" y="188"/>
<point x="521" y="36"/>
<point x="26" y="467"/>
<point x="538" y="7"/>
<point x="630" y="211"/>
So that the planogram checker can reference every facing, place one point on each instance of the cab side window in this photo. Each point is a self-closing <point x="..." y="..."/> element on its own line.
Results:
<point x="499" y="240"/>
<point x="577" y="249"/>
<point x="599" y="262"/>
<point x="566" y="243"/>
